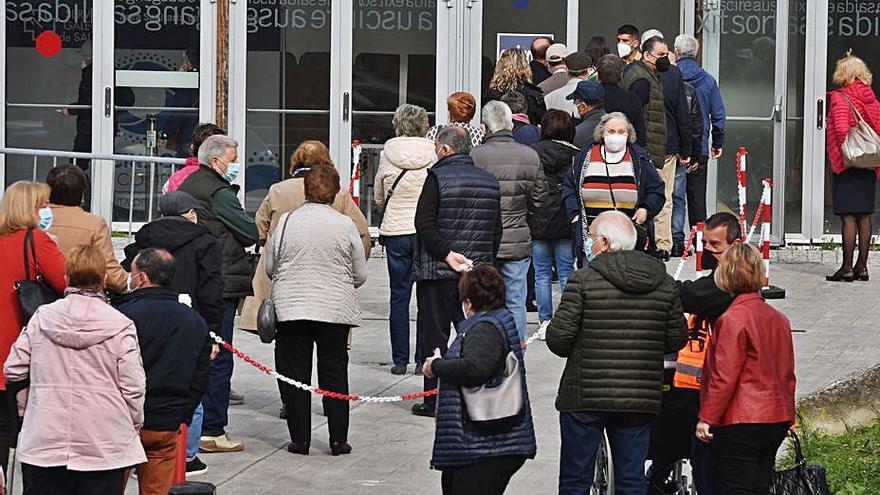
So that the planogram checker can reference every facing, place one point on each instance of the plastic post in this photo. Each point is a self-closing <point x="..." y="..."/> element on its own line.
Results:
<point x="699" y="245"/>
<point x="741" y="155"/>
<point x="769" y="291"/>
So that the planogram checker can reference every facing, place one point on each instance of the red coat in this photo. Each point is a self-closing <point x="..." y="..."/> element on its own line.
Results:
<point x="841" y="119"/>
<point x="749" y="370"/>
<point x="51" y="267"/>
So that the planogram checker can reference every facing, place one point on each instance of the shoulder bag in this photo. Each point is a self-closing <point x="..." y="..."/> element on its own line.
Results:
<point x="499" y="401"/>
<point x="802" y="479"/>
<point x="32" y="293"/>
<point x="267" y="319"/>
<point x="861" y="147"/>
<point x="393" y="187"/>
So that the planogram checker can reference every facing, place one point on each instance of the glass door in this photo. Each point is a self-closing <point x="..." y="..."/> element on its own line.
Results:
<point x="746" y="48"/>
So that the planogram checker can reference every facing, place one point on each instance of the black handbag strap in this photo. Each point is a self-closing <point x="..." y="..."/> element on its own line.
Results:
<point x="29" y="241"/>
<point x="394" y="186"/>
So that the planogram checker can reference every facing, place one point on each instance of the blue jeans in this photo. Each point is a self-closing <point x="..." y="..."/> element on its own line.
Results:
<point x="679" y="205"/>
<point x="515" y="275"/>
<point x="216" y="397"/>
<point x="194" y="434"/>
<point x="543" y="254"/>
<point x="629" y="435"/>
<point x="400" y="250"/>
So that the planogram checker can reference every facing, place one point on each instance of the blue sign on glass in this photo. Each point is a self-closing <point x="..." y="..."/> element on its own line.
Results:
<point x="517" y="40"/>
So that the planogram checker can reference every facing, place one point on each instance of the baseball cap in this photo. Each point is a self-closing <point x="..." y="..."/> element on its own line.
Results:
<point x="556" y="53"/>
<point x="177" y="203"/>
<point x="578" y="62"/>
<point x="651" y="33"/>
<point x="587" y="91"/>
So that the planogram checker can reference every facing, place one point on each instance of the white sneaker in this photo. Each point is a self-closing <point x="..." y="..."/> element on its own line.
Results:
<point x="542" y="330"/>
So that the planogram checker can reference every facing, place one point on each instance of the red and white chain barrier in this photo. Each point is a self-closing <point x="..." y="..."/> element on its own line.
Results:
<point x="354" y="187"/>
<point x="687" y="252"/>
<point x="699" y="257"/>
<point x="762" y="206"/>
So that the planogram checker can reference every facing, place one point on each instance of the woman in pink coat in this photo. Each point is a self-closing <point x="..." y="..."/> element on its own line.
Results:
<point x="76" y="371"/>
<point x="854" y="189"/>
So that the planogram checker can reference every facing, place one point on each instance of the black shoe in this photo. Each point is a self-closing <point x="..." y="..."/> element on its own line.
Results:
<point x="298" y="448"/>
<point x="282" y="413"/>
<point x="677" y="251"/>
<point x="840" y="276"/>
<point x="235" y="398"/>
<point x="398" y="369"/>
<point x="423" y="410"/>
<point x="531" y="307"/>
<point x="340" y="448"/>
<point x="418" y="369"/>
<point x="195" y="467"/>
<point x="663" y="255"/>
<point x="861" y="274"/>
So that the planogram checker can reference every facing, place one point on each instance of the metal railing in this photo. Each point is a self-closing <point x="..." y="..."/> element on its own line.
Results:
<point x="150" y="164"/>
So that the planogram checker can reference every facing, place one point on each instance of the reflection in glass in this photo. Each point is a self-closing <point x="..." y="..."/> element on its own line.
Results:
<point x="794" y="136"/>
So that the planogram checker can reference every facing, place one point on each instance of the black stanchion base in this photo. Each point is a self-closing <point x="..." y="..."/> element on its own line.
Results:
<point x="193" y="488"/>
<point x="773" y="292"/>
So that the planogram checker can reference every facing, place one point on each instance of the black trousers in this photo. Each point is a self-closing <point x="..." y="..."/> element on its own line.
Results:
<point x="489" y="477"/>
<point x="696" y="192"/>
<point x="743" y="456"/>
<point x="61" y="481"/>
<point x="296" y="341"/>
<point x="439" y="307"/>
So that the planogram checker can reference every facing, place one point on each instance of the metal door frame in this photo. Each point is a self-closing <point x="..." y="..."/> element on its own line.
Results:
<point x="815" y="105"/>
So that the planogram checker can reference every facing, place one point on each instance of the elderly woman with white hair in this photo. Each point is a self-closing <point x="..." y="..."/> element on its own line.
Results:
<point x="225" y="218"/>
<point x="403" y="167"/>
<point x="618" y="318"/>
<point x="615" y="174"/>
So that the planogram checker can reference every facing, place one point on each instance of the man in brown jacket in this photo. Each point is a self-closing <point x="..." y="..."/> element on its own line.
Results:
<point x="72" y="226"/>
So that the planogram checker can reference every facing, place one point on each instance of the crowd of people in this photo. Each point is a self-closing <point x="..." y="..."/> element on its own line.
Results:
<point x="584" y="168"/>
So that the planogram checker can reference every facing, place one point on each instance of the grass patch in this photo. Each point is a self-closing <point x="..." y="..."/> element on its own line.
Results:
<point x="852" y="460"/>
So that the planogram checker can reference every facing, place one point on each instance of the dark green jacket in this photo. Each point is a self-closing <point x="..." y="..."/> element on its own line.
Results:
<point x="224" y="217"/>
<point x="655" y="110"/>
<point x="617" y="318"/>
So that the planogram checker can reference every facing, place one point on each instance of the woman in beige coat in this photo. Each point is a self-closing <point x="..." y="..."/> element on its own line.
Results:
<point x="288" y="195"/>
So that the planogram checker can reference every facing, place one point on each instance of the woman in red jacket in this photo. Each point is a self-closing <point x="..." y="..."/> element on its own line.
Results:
<point x="854" y="189"/>
<point x="25" y="206"/>
<point x="747" y="396"/>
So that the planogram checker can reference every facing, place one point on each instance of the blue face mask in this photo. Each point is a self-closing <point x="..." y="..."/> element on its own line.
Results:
<point x="588" y="249"/>
<point x="232" y="171"/>
<point x="45" y="218"/>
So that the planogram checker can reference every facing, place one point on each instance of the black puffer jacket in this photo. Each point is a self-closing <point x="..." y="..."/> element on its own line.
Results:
<point x="550" y="221"/>
<point x="617" y="319"/>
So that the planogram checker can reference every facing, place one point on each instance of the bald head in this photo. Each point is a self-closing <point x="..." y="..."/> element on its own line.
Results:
<point x="152" y="268"/>
<point x="617" y="229"/>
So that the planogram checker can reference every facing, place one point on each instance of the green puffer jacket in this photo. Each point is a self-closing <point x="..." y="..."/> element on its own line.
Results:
<point x="617" y="318"/>
<point x="655" y="110"/>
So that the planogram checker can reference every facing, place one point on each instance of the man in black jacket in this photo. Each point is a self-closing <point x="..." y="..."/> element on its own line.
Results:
<point x="458" y="225"/>
<point x="679" y="193"/>
<point x="175" y="350"/>
<point x="610" y="71"/>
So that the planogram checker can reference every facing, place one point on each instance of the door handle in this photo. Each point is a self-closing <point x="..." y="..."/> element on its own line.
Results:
<point x="450" y="4"/>
<point x="346" y="106"/>
<point x="470" y="3"/>
<point x="108" y="101"/>
<point x="820" y="114"/>
<point x="777" y="109"/>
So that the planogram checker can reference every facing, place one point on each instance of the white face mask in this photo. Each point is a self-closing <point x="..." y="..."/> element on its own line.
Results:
<point x="615" y="142"/>
<point x="624" y="50"/>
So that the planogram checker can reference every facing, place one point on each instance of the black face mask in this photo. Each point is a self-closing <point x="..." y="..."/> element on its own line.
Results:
<point x="710" y="260"/>
<point x="663" y="64"/>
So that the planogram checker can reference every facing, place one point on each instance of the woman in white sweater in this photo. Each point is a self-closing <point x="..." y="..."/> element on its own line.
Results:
<point x="315" y="259"/>
<point x="403" y="167"/>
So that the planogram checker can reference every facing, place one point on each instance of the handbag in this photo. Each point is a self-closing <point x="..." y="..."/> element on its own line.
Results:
<point x="861" y="148"/>
<point x="32" y="293"/>
<point x="802" y="479"/>
<point x="267" y="319"/>
<point x="499" y="402"/>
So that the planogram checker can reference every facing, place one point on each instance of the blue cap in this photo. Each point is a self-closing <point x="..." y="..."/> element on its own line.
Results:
<point x="587" y="91"/>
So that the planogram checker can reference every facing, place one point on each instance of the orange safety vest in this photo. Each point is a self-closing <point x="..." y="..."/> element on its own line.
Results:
<point x="689" y="368"/>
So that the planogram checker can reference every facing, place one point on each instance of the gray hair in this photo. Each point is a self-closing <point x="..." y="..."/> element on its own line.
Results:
<point x="215" y="146"/>
<point x="686" y="45"/>
<point x="456" y="138"/>
<point x="617" y="229"/>
<point x="410" y="120"/>
<point x="497" y="116"/>
<point x="516" y="101"/>
<point x="599" y="133"/>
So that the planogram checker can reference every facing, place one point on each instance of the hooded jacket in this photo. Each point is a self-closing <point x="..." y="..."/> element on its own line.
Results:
<point x="550" y="221"/>
<point x="415" y="155"/>
<point x="617" y="318"/>
<point x="197" y="256"/>
<point x="85" y="404"/>
<point x="518" y="170"/>
<point x="175" y="349"/>
<point x="177" y="178"/>
<point x="714" y="118"/>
